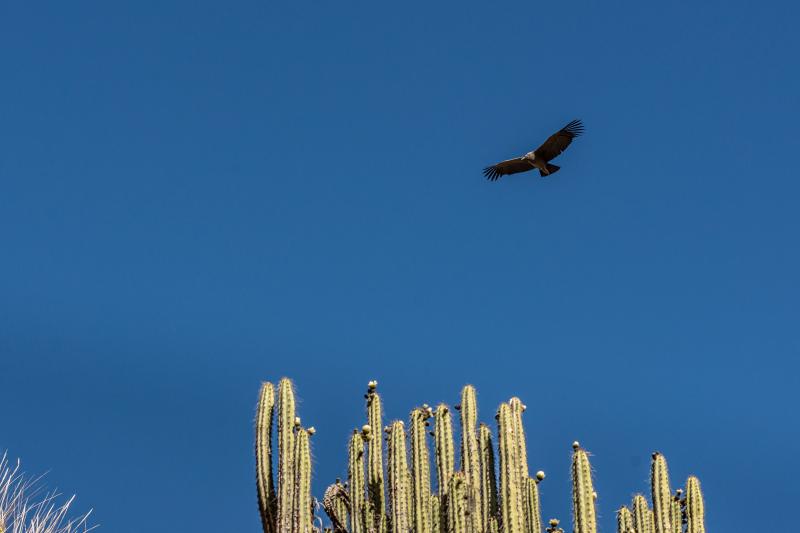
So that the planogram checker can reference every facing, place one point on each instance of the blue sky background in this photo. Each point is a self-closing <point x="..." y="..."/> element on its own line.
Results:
<point x="197" y="196"/>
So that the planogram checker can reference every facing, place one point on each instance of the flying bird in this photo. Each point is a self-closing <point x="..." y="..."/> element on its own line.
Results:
<point x="539" y="158"/>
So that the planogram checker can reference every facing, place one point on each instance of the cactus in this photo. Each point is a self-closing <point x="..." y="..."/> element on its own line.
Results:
<point x="583" y="494"/>
<point x="377" y="494"/>
<point x="510" y="498"/>
<point x="641" y="515"/>
<point x="458" y="504"/>
<point x="533" y="507"/>
<point x="421" y="471"/>
<point x="467" y="501"/>
<point x="624" y="520"/>
<point x="695" y="510"/>
<point x="355" y="480"/>
<point x="398" y="479"/>
<point x="445" y="454"/>
<point x="662" y="494"/>
<point x="470" y="456"/>
<point x="488" y="479"/>
<point x="266" y="488"/>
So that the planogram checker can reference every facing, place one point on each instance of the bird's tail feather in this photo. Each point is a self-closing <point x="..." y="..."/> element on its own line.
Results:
<point x="551" y="169"/>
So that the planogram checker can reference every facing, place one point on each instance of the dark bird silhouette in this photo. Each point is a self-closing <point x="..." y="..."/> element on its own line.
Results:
<point x="539" y="158"/>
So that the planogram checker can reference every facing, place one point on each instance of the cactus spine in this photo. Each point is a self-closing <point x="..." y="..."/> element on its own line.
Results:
<point x="264" y="481"/>
<point x="510" y="497"/>
<point x="421" y="471"/>
<point x="662" y="494"/>
<point x="582" y="492"/>
<point x="695" y="511"/>
<point x="488" y="479"/>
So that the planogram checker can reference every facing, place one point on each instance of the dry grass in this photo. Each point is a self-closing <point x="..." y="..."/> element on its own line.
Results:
<point x="26" y="507"/>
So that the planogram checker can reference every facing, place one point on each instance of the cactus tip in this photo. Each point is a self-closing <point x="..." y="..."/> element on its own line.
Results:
<point x="576" y="445"/>
<point x="540" y="475"/>
<point x="554" y="522"/>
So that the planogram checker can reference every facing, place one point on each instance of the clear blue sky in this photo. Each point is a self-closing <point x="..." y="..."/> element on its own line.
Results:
<point x="197" y="196"/>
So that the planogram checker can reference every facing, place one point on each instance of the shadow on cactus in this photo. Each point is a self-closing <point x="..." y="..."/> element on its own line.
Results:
<point x="395" y="495"/>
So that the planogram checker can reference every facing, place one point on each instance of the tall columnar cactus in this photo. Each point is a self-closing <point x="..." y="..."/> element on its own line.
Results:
<point x="642" y="517"/>
<point x="458" y="506"/>
<point x="582" y="492"/>
<point x="510" y="497"/>
<point x="286" y="449"/>
<point x="264" y="481"/>
<point x="695" y="510"/>
<point x="470" y="456"/>
<point x="355" y="480"/>
<point x="662" y="494"/>
<point x="399" y="490"/>
<point x="466" y="501"/>
<point x="445" y="449"/>
<point x="420" y="470"/>
<point x="624" y="521"/>
<point x="488" y="479"/>
<point x="375" y="486"/>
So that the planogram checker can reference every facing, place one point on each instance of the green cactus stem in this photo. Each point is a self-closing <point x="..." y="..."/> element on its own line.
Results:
<point x="264" y="481"/>
<point x="642" y="517"/>
<point x="695" y="510"/>
<point x="470" y="455"/>
<point x="302" y="486"/>
<point x="445" y="449"/>
<point x="458" y="504"/>
<point x="355" y="479"/>
<point x="520" y="446"/>
<point x="624" y="520"/>
<point x="375" y="487"/>
<point x="661" y="494"/>
<point x="488" y="479"/>
<point x="286" y="450"/>
<point x="677" y="513"/>
<point x="582" y="492"/>
<point x="510" y="497"/>
<point x="421" y="471"/>
<point x="437" y="525"/>
<point x="533" y="507"/>
<point x="399" y="491"/>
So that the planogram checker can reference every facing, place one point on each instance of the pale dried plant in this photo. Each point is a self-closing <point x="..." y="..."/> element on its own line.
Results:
<point x="26" y="507"/>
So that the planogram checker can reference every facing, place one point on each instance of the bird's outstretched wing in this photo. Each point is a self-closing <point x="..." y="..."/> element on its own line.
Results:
<point x="511" y="166"/>
<point x="558" y="142"/>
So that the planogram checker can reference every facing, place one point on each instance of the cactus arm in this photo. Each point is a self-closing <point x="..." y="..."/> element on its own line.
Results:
<point x="264" y="480"/>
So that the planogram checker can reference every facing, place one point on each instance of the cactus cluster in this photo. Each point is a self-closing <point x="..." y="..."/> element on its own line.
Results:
<point x="389" y="487"/>
<point x="678" y="512"/>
